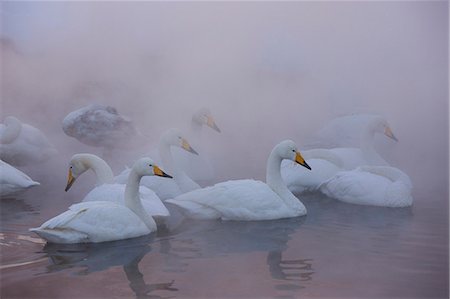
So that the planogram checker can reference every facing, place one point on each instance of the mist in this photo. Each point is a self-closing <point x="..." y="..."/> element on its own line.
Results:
<point x="267" y="71"/>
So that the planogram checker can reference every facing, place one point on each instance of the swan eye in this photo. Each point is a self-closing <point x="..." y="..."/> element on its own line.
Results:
<point x="150" y="165"/>
<point x="293" y="150"/>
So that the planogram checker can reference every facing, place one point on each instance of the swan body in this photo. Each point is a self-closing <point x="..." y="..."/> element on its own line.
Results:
<point x="370" y="185"/>
<point x="107" y="190"/>
<point x="326" y="163"/>
<point x="13" y="180"/>
<point x="100" y="126"/>
<point x="22" y="144"/>
<point x="101" y="221"/>
<point x="198" y="167"/>
<point x="181" y="182"/>
<point x="247" y="199"/>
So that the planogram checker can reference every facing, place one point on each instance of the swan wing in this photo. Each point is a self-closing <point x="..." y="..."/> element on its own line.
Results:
<point x="116" y="193"/>
<point x="13" y="180"/>
<point x="365" y="187"/>
<point x="233" y="200"/>
<point x="92" y="222"/>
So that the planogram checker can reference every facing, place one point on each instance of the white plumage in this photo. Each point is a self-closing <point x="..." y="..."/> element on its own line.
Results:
<point x="326" y="163"/>
<point x="107" y="190"/>
<point x="247" y="199"/>
<point x="370" y="185"/>
<point x="13" y="180"/>
<point x="22" y="144"/>
<point x="101" y="221"/>
<point x="181" y="182"/>
<point x="101" y="126"/>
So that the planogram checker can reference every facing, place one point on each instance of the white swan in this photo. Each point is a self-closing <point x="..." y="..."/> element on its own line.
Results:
<point x="22" y="144"/>
<point x="101" y="221"/>
<point x="181" y="182"/>
<point x="370" y="185"/>
<point x="198" y="167"/>
<point x="326" y="163"/>
<point x="100" y="126"/>
<point x="13" y="180"/>
<point x="248" y="199"/>
<point x="345" y="131"/>
<point x="107" y="190"/>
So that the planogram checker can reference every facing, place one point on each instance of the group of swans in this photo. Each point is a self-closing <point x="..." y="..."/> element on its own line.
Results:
<point x="356" y="175"/>
<point x="101" y="221"/>
<point x="98" y="220"/>
<point x="119" y="208"/>
<point x="20" y="144"/>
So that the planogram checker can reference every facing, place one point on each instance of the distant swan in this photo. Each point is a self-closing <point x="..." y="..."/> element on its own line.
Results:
<point x="107" y="190"/>
<point x="327" y="162"/>
<point x="370" y="185"/>
<point x="181" y="182"/>
<point x="101" y="221"/>
<point x="100" y="126"/>
<point x="13" y="180"/>
<point x="345" y="131"/>
<point x="22" y="144"/>
<point x="199" y="168"/>
<point x="248" y="199"/>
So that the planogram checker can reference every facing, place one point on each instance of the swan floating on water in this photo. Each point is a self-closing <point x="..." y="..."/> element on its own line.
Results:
<point x="13" y="180"/>
<point x="107" y="190"/>
<point x="199" y="168"/>
<point x="370" y="185"/>
<point x="22" y="144"/>
<point x="101" y="221"/>
<point x="326" y="163"/>
<point x="181" y="182"/>
<point x="248" y="199"/>
<point x="100" y="126"/>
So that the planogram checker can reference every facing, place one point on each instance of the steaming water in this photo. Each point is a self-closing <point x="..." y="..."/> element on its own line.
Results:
<point x="337" y="250"/>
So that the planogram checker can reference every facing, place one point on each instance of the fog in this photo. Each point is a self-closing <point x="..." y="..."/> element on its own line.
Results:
<point x="267" y="71"/>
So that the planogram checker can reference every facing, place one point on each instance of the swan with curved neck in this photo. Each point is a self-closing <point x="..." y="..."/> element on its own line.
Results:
<point x="92" y="221"/>
<point x="107" y="190"/>
<point x="248" y="199"/>
<point x="181" y="182"/>
<point x="13" y="180"/>
<point x="22" y="144"/>
<point x="327" y="162"/>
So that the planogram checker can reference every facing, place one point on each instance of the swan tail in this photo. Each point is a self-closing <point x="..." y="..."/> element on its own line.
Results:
<point x="194" y="210"/>
<point x="61" y="236"/>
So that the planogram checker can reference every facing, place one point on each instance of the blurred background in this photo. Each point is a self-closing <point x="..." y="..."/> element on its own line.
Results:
<point x="267" y="71"/>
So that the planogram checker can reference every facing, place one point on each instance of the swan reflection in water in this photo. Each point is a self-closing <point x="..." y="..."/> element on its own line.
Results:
<point x="201" y="239"/>
<point x="94" y="257"/>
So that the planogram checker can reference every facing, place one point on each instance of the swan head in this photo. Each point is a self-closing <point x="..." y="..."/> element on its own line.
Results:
<point x="77" y="166"/>
<point x="146" y="167"/>
<point x="380" y="125"/>
<point x="203" y="117"/>
<point x="174" y="137"/>
<point x="287" y="149"/>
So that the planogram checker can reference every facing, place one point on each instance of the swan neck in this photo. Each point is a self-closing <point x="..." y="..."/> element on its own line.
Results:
<point x="167" y="158"/>
<point x="13" y="127"/>
<point x="133" y="200"/>
<point x="276" y="183"/>
<point x="101" y="169"/>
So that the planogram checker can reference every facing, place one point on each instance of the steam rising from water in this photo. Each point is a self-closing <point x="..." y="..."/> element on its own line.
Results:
<point x="268" y="71"/>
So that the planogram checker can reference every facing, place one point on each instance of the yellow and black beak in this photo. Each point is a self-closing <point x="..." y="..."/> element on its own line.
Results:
<point x="70" y="180"/>
<point x="388" y="133"/>
<point x="186" y="146"/>
<point x="157" y="171"/>
<point x="211" y="123"/>
<point x="299" y="159"/>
